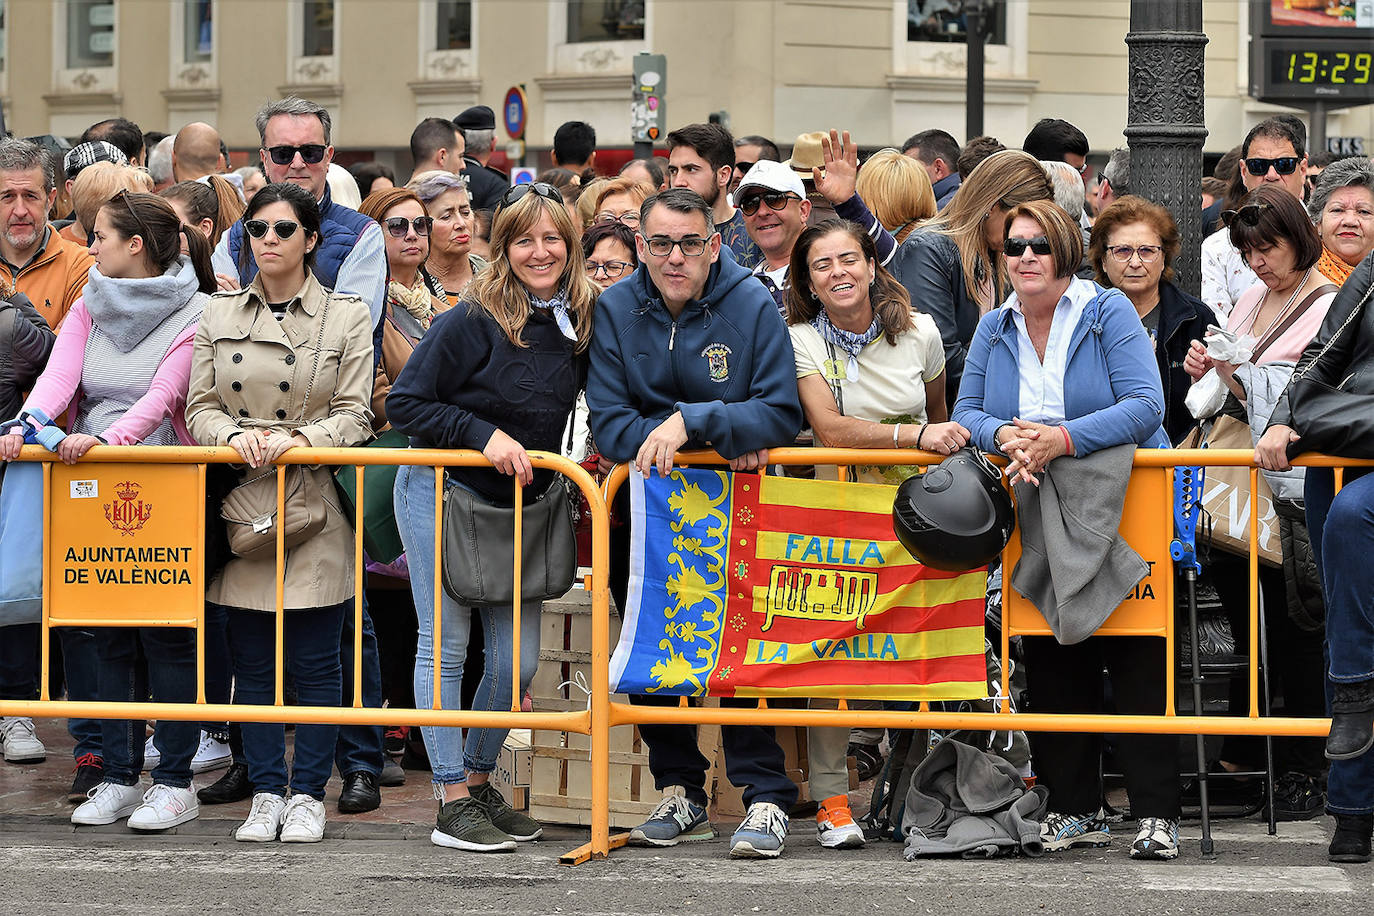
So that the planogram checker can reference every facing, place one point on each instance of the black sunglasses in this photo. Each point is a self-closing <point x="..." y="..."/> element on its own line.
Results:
<point x="311" y="153"/>
<point x="543" y="189"/>
<point x="284" y="228"/>
<point x="1284" y="165"/>
<point x="1014" y="247"/>
<point x="776" y="200"/>
<point x="1249" y="214"/>
<point x="397" y="226"/>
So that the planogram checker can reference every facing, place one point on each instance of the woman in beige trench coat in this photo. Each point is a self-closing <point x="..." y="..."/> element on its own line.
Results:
<point x="283" y="364"/>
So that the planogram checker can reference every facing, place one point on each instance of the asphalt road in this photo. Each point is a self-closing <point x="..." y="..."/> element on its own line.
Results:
<point x="46" y="869"/>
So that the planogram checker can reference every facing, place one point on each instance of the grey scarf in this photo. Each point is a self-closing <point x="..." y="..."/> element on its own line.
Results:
<point x="129" y="309"/>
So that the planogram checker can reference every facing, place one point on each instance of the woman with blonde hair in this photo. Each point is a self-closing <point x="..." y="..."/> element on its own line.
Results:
<point x="500" y="373"/>
<point x="94" y="187"/>
<point x="620" y="200"/>
<point x="953" y="266"/>
<point x="898" y="190"/>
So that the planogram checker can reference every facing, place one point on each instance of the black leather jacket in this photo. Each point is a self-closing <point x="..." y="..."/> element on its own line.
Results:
<point x="1182" y="319"/>
<point x="1349" y="364"/>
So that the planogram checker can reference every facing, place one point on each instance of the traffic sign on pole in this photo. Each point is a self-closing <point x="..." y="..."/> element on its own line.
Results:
<point x="514" y="112"/>
<point x="648" y="114"/>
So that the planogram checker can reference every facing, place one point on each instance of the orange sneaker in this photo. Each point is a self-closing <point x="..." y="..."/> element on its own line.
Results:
<point x="835" y="824"/>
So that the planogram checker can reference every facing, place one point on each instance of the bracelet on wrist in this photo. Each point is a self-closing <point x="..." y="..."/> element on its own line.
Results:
<point x="896" y="430"/>
<point x="921" y="433"/>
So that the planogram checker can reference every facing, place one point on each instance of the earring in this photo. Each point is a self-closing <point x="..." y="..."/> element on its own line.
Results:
<point x="814" y="296"/>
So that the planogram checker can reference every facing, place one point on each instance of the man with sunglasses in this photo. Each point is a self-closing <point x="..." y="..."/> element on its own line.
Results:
<point x="350" y="258"/>
<point x="773" y="201"/>
<point x="1274" y="152"/>
<point x="687" y="354"/>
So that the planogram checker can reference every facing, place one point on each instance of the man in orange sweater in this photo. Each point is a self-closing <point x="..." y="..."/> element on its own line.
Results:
<point x="34" y="258"/>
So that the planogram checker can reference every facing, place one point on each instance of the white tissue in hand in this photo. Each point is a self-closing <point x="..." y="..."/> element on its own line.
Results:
<point x="1205" y="397"/>
<point x="1227" y="346"/>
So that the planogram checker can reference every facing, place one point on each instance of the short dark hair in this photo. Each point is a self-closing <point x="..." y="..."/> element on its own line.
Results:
<point x="1322" y="158"/>
<point x="121" y="132"/>
<point x="301" y="202"/>
<point x="678" y="200"/>
<point x="367" y="173"/>
<point x="1051" y="138"/>
<point x="573" y="143"/>
<point x="151" y="138"/>
<point x="712" y="142"/>
<point x="769" y="149"/>
<point x="430" y="136"/>
<point x="653" y="165"/>
<point x="609" y="229"/>
<point x="1281" y="218"/>
<point x="1279" y="127"/>
<point x="934" y="144"/>
<point x="974" y="152"/>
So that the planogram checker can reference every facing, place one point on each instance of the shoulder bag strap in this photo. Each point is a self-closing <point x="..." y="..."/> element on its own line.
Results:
<point x="315" y="365"/>
<point x="1354" y="314"/>
<point x="1277" y="332"/>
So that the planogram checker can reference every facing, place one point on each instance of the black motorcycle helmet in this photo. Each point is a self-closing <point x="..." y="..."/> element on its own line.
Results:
<point x="956" y="516"/>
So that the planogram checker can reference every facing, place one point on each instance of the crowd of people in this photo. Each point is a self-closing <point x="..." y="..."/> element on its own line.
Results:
<point x="934" y="297"/>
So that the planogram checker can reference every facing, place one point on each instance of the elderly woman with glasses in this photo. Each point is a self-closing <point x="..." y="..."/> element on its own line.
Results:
<point x="1342" y="206"/>
<point x="609" y="248"/>
<point x="451" y="264"/>
<point x="619" y="201"/>
<point x="1134" y="243"/>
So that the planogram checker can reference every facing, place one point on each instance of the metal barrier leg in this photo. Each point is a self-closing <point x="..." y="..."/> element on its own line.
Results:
<point x="1190" y="575"/>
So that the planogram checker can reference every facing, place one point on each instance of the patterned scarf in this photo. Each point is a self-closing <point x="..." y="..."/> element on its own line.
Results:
<point x="1333" y="268"/>
<point x="418" y="302"/>
<point x="848" y="342"/>
<point x="559" y="305"/>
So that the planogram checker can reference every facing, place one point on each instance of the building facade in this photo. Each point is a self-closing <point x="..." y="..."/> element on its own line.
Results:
<point x="881" y="68"/>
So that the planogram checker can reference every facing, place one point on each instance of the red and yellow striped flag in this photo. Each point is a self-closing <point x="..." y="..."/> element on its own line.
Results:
<point x="744" y="585"/>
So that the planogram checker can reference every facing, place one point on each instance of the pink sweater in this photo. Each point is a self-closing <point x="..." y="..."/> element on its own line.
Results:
<point x="59" y="387"/>
<point x="1290" y="344"/>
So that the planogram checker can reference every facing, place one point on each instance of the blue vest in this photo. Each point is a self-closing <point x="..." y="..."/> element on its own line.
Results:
<point x="340" y="229"/>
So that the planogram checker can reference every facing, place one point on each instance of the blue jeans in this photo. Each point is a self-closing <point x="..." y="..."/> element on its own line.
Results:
<point x="312" y="660"/>
<point x="80" y="662"/>
<point x="451" y="755"/>
<point x="1344" y="559"/>
<point x="359" y="748"/>
<point x="131" y="662"/>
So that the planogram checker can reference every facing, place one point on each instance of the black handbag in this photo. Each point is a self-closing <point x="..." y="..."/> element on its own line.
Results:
<point x="1327" y="418"/>
<point x="478" y="549"/>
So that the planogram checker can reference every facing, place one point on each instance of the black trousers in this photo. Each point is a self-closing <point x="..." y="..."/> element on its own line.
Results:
<point x="1068" y="679"/>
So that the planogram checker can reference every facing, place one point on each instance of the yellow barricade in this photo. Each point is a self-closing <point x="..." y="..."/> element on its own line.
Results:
<point x="123" y="547"/>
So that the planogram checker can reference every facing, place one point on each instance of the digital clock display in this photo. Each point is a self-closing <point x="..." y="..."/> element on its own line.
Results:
<point x="1330" y="69"/>
<point x="1325" y="68"/>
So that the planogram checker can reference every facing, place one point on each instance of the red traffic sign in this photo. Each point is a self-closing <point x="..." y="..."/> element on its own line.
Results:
<point x="514" y="112"/>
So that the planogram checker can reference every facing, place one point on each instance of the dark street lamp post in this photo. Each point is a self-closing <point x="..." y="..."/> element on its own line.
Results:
<point x="1164" y="123"/>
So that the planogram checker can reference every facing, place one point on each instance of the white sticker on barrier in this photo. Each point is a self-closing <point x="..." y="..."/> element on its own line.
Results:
<point x="85" y="489"/>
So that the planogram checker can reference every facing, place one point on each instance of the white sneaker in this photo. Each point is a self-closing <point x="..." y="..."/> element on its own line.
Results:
<point x="165" y="806"/>
<point x="303" y="820"/>
<point x="20" y="742"/>
<point x="212" y="754"/>
<point x="264" y="819"/>
<point x="108" y="803"/>
<point x="151" y="755"/>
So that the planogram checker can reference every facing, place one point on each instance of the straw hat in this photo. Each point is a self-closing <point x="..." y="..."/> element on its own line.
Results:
<point x="807" y="154"/>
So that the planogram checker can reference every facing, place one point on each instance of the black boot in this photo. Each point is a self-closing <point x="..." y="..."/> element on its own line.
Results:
<point x="231" y="787"/>
<point x="1352" y="720"/>
<point x="1350" y="843"/>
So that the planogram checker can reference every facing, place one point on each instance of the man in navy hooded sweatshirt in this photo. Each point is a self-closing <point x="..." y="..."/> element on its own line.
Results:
<point x="689" y="351"/>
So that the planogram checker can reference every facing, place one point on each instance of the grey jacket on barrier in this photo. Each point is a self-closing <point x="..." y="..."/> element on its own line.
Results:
<point x="968" y="802"/>
<point x="1075" y="566"/>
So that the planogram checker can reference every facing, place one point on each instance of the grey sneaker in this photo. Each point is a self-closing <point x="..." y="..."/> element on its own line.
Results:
<point x="520" y="827"/>
<point x="674" y="821"/>
<point x="464" y="824"/>
<point x="761" y="833"/>
<point x="1064" y="831"/>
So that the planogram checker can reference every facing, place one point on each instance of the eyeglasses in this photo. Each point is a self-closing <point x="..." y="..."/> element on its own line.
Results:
<point x="311" y="153"/>
<point x="611" y="269"/>
<point x="1146" y="253"/>
<point x="693" y="246"/>
<point x="1249" y="214"/>
<point x="397" y="226"/>
<point x="124" y="196"/>
<point x="284" y="228"/>
<point x="1014" y="247"/>
<point x="543" y="189"/>
<point x="776" y="200"/>
<point x="1284" y="165"/>
<point x="628" y="218"/>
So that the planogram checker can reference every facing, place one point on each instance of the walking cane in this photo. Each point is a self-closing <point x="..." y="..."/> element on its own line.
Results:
<point x="1183" y="549"/>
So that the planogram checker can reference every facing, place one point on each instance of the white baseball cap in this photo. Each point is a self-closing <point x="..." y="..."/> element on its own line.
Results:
<point x="773" y="176"/>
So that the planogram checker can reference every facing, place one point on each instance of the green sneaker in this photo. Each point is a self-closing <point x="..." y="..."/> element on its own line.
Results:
<point x="464" y="824"/>
<point x="519" y="826"/>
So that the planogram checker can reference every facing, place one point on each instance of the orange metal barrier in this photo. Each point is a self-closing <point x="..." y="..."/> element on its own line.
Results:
<point x="602" y="714"/>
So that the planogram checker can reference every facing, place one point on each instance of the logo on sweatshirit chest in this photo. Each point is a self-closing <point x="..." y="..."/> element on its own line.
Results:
<point x="717" y="356"/>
